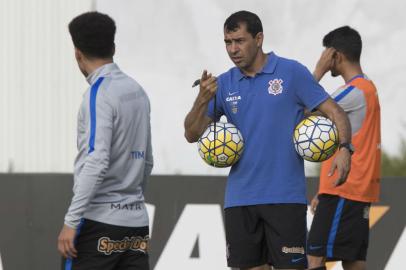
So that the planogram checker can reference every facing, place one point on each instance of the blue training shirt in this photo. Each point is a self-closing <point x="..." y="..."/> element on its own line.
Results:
<point x="266" y="109"/>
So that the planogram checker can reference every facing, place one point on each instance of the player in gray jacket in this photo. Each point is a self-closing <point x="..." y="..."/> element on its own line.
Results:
<point x="106" y="226"/>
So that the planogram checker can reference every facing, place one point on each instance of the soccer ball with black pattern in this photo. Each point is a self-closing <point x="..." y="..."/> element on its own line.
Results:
<point x="315" y="138"/>
<point x="226" y="150"/>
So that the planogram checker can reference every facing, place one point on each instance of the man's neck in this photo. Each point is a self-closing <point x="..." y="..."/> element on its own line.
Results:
<point x="96" y="63"/>
<point x="257" y="65"/>
<point x="351" y="71"/>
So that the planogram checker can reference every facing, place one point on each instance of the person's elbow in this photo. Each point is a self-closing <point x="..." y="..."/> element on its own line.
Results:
<point x="97" y="162"/>
<point x="148" y="168"/>
<point x="190" y="137"/>
<point x="338" y="113"/>
<point x="332" y="110"/>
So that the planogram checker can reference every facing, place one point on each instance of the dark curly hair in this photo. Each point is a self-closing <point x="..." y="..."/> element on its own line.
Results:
<point x="346" y="40"/>
<point x="93" y="34"/>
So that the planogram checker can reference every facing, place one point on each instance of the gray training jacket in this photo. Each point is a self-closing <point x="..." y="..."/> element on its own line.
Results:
<point x="115" y="155"/>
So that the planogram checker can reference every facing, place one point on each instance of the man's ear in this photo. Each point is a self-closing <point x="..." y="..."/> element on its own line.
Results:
<point x="259" y="38"/>
<point x="114" y="49"/>
<point x="78" y="55"/>
<point x="338" y="57"/>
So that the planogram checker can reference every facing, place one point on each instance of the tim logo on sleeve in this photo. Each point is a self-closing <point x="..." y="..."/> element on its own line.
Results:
<point x="137" y="154"/>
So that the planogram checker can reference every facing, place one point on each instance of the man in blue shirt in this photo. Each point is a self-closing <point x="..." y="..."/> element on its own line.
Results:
<point x="265" y="204"/>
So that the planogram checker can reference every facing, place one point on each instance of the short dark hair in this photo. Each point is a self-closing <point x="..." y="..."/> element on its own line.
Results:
<point x="93" y="34"/>
<point x="251" y="20"/>
<point x="346" y="40"/>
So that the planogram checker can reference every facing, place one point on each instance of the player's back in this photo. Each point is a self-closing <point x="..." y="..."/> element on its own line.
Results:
<point x="131" y="132"/>
<point x="359" y="99"/>
<point x="125" y="118"/>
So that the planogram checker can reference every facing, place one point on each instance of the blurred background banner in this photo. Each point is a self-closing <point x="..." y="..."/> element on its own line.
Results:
<point x="165" y="45"/>
<point x="186" y="219"/>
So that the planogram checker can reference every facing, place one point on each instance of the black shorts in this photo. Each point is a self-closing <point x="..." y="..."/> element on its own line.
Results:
<point x="340" y="229"/>
<point x="109" y="247"/>
<point x="272" y="234"/>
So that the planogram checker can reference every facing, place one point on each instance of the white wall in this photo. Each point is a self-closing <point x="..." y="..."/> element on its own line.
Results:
<point x="40" y="85"/>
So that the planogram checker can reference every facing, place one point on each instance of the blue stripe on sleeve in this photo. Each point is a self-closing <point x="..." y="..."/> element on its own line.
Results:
<point x="93" y="94"/>
<point x="343" y="93"/>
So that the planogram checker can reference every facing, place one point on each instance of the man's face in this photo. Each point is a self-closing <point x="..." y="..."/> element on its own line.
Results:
<point x="241" y="46"/>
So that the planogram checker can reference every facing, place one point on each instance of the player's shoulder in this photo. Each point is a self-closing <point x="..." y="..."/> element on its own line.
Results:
<point x="228" y="78"/>
<point x="231" y="73"/>
<point x="287" y="61"/>
<point x="349" y="95"/>
<point x="285" y="64"/>
<point x="120" y="85"/>
<point x="364" y="83"/>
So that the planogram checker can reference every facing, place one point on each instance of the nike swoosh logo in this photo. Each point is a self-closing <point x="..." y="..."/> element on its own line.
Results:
<point x="297" y="259"/>
<point x="314" y="247"/>
<point x="232" y="93"/>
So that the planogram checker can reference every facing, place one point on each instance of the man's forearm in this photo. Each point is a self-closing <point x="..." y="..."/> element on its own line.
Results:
<point x="336" y="114"/>
<point x="343" y="125"/>
<point x="317" y="75"/>
<point x="324" y="64"/>
<point x="196" y="121"/>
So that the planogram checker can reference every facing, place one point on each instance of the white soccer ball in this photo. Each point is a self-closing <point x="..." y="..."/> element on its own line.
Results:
<point x="222" y="148"/>
<point x="316" y="138"/>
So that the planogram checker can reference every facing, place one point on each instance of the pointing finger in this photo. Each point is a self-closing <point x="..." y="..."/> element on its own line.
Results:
<point x="204" y="75"/>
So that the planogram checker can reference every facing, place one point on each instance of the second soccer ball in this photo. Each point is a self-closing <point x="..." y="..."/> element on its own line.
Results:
<point x="315" y="138"/>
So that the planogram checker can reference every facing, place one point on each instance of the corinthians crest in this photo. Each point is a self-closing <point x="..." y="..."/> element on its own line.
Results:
<point x="275" y="86"/>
